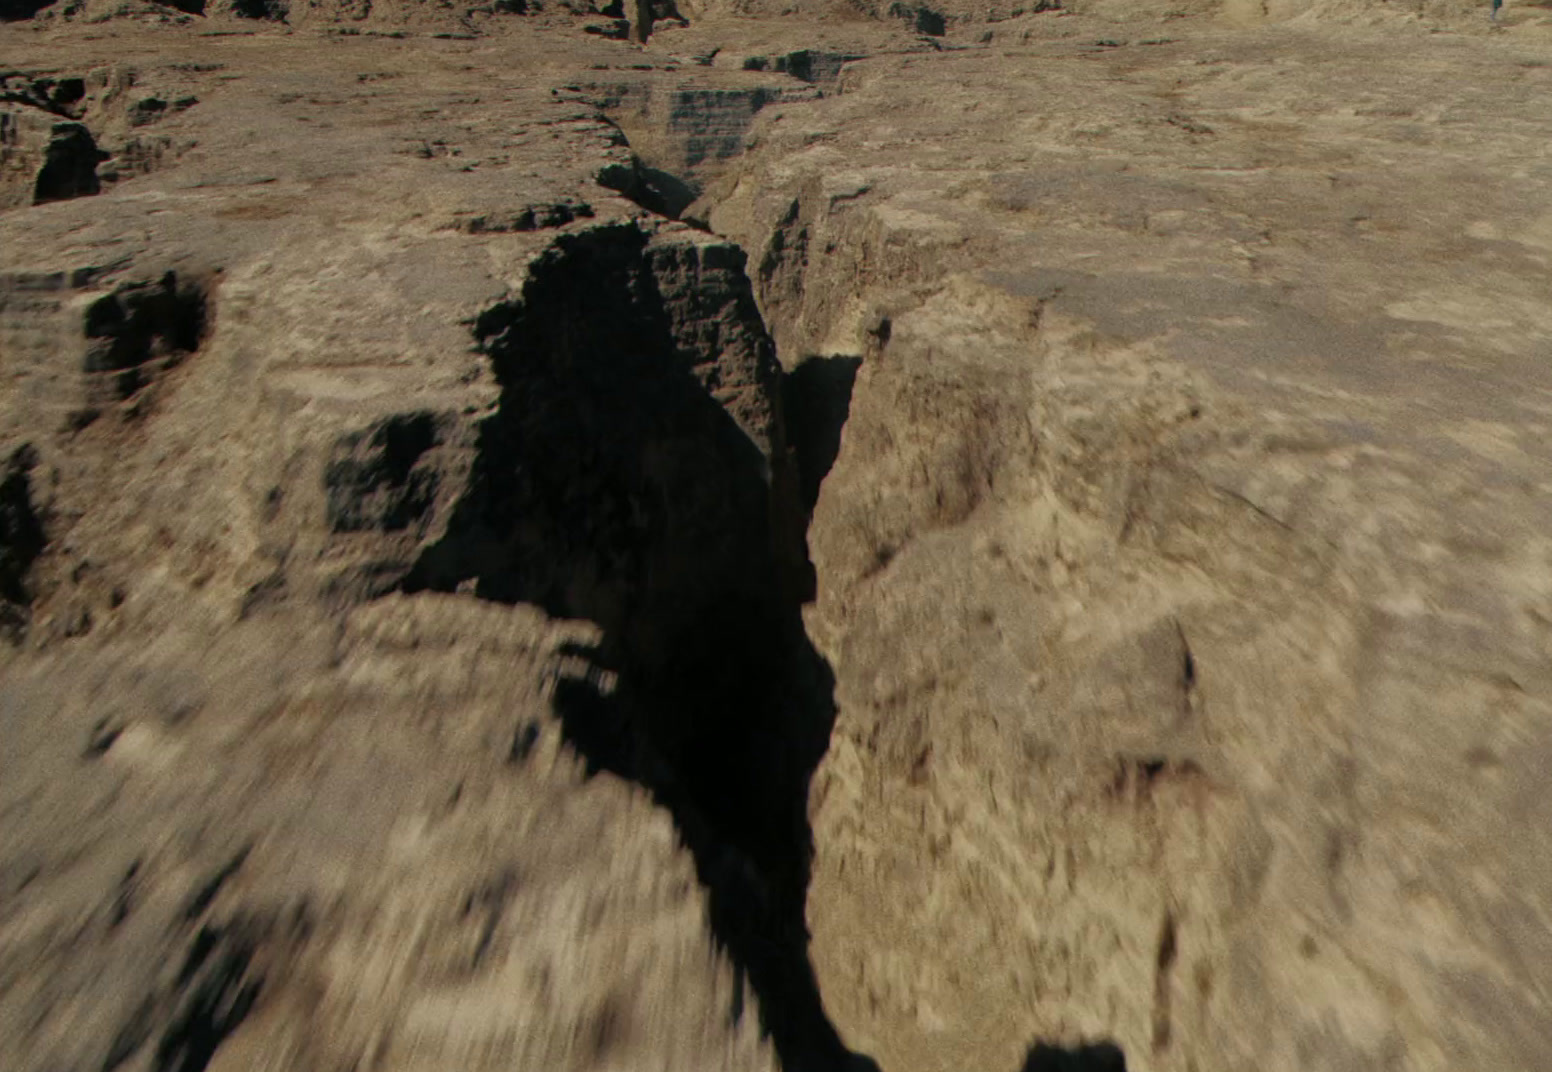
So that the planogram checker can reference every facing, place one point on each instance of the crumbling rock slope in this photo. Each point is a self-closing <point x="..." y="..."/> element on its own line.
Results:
<point x="925" y="538"/>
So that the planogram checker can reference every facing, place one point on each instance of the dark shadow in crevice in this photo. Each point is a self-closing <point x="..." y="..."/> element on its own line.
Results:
<point x="1093" y="1057"/>
<point x="610" y="485"/>
<point x="659" y="192"/>
<point x="221" y="989"/>
<point x="267" y="10"/>
<point x="62" y="96"/>
<point x="816" y="396"/>
<point x="668" y="191"/>
<point x="69" y="165"/>
<point x="921" y="17"/>
<point x="17" y="10"/>
<point x="375" y="480"/>
<point x="22" y="540"/>
<point x="138" y="332"/>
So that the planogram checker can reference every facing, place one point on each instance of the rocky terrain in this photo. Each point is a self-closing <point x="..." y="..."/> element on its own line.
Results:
<point x="742" y="535"/>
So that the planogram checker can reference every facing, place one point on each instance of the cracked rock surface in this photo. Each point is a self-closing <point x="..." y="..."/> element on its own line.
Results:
<point x="1181" y="566"/>
<point x="925" y="537"/>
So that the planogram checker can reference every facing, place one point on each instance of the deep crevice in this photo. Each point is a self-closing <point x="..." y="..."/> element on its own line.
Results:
<point x="695" y="131"/>
<point x="814" y="66"/>
<point x="216" y="987"/>
<point x="61" y="96"/>
<point x="816" y="396"/>
<point x="611" y="484"/>
<point x="22" y="539"/>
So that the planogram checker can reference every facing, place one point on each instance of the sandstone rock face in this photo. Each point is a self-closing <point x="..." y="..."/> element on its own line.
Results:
<point x="1179" y="565"/>
<point x="289" y="789"/>
<point x="945" y="536"/>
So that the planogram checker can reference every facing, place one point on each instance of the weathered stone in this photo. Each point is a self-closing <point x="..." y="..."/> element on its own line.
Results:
<point x="1057" y="581"/>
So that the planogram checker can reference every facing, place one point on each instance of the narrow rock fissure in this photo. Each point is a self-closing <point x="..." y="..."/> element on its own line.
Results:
<point x="1163" y="1029"/>
<point x="818" y="398"/>
<point x="637" y="473"/>
<point x="22" y="539"/>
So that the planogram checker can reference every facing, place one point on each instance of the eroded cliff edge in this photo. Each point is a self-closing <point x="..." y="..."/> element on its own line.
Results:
<point x="1180" y="567"/>
<point x="405" y="528"/>
<point x="401" y="561"/>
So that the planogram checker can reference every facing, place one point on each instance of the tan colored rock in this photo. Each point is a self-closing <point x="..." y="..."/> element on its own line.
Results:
<point x="402" y="531"/>
<point x="1177" y="567"/>
<point x="279" y="801"/>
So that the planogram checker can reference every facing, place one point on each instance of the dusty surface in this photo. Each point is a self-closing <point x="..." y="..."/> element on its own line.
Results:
<point x="1183" y="567"/>
<point x="239" y="770"/>
<point x="431" y="573"/>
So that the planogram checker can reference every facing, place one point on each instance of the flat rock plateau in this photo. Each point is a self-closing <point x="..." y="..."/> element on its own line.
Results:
<point x="948" y="537"/>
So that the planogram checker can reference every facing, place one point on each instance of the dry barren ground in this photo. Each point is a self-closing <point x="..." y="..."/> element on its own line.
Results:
<point x="958" y="538"/>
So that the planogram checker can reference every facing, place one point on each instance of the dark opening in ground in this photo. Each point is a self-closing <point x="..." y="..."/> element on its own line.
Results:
<point x="610" y="484"/>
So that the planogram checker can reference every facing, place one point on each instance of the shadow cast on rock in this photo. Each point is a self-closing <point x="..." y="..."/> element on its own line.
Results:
<point x="1093" y="1057"/>
<point x="816" y="396"/>
<point x="611" y="485"/>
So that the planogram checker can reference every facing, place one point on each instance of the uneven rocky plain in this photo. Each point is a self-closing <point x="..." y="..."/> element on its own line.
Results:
<point x="955" y="538"/>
